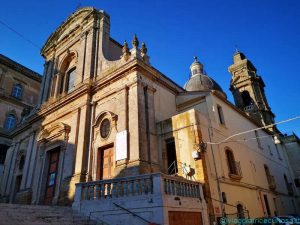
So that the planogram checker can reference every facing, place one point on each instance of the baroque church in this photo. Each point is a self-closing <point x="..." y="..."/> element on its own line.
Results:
<point x="113" y="136"/>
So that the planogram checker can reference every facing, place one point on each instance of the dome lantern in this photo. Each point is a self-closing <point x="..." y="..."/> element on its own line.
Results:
<point x="196" y="67"/>
<point x="200" y="81"/>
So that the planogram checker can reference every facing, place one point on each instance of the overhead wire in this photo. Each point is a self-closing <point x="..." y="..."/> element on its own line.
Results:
<point x="248" y="131"/>
<point x="20" y="35"/>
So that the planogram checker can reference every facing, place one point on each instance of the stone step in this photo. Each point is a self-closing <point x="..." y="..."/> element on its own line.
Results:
<point x="15" y="214"/>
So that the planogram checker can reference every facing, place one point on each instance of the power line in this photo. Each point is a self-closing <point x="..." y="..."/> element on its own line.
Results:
<point x="248" y="131"/>
<point x="19" y="34"/>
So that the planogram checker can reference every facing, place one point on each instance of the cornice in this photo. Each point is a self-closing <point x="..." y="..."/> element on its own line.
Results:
<point x="20" y="68"/>
<point x="136" y="65"/>
<point x="4" y="133"/>
<point x="91" y="87"/>
<point x="190" y="102"/>
<point x="59" y="102"/>
<point x="15" y="101"/>
<point x="239" y="111"/>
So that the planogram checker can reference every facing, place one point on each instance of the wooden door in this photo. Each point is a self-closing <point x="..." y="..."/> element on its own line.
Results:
<point x="185" y="218"/>
<point x="105" y="163"/>
<point x="51" y="176"/>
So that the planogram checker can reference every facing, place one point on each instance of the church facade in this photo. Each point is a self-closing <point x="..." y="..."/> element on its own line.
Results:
<point x="112" y="132"/>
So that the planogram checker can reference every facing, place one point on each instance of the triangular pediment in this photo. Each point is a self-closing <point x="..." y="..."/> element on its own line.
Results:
<point x="73" y="22"/>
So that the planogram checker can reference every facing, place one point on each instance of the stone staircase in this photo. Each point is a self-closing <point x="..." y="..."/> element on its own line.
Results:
<point x="15" y="214"/>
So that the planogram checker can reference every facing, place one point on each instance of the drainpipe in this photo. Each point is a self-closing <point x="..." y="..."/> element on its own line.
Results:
<point x="217" y="176"/>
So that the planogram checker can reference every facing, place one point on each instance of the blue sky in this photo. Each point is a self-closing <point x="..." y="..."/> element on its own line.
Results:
<point x="267" y="31"/>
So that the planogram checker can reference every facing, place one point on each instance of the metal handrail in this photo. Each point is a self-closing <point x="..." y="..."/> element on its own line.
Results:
<point x="96" y="218"/>
<point x="134" y="214"/>
<point x="176" y="169"/>
<point x="173" y="164"/>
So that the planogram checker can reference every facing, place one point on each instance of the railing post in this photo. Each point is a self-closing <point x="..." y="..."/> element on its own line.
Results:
<point x="77" y="197"/>
<point x="86" y="192"/>
<point x="114" y="190"/>
<point x="143" y="186"/>
<point x="109" y="190"/>
<point x="157" y="184"/>
<point x="125" y="190"/>
<point x="97" y="191"/>
<point x="131" y="183"/>
<point x="102" y="191"/>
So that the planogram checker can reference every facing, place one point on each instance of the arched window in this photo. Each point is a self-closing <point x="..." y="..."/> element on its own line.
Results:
<point x="231" y="162"/>
<point x="288" y="185"/>
<point x="17" y="91"/>
<point x="270" y="178"/>
<point x="65" y="81"/>
<point x="285" y="179"/>
<point x="22" y="162"/>
<point x="267" y="171"/>
<point x="240" y="211"/>
<point x="234" y="167"/>
<point x="247" y="100"/>
<point x="71" y="75"/>
<point x="10" y="122"/>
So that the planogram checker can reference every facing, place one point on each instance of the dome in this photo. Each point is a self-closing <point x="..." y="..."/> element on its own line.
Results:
<point x="200" y="81"/>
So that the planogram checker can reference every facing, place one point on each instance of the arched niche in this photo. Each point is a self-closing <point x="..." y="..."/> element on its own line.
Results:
<point x="99" y="142"/>
<point x="54" y="131"/>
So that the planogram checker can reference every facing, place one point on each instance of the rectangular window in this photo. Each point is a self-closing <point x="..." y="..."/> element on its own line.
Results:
<point x="270" y="150"/>
<point x="278" y="153"/>
<point x="267" y="205"/>
<point x="224" y="199"/>
<point x="275" y="205"/>
<point x="171" y="156"/>
<point x="3" y="151"/>
<point x="221" y="115"/>
<point x="257" y="139"/>
<point x="71" y="80"/>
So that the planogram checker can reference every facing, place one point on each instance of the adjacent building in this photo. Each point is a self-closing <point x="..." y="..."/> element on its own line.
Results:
<point x="112" y="135"/>
<point x="292" y="146"/>
<point x="19" y="91"/>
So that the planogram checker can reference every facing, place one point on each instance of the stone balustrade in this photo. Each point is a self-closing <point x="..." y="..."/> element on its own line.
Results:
<point x="141" y="199"/>
<point x="180" y="187"/>
<point x="114" y="188"/>
<point x="137" y="185"/>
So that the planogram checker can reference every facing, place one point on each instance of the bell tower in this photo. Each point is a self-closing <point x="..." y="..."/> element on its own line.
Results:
<point x="248" y="90"/>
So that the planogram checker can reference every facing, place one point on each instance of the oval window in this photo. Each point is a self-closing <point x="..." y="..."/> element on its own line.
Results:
<point x="105" y="128"/>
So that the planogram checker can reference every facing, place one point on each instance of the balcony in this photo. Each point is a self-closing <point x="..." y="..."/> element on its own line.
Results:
<point x="271" y="182"/>
<point x="248" y="108"/>
<point x="235" y="171"/>
<point x="123" y="200"/>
